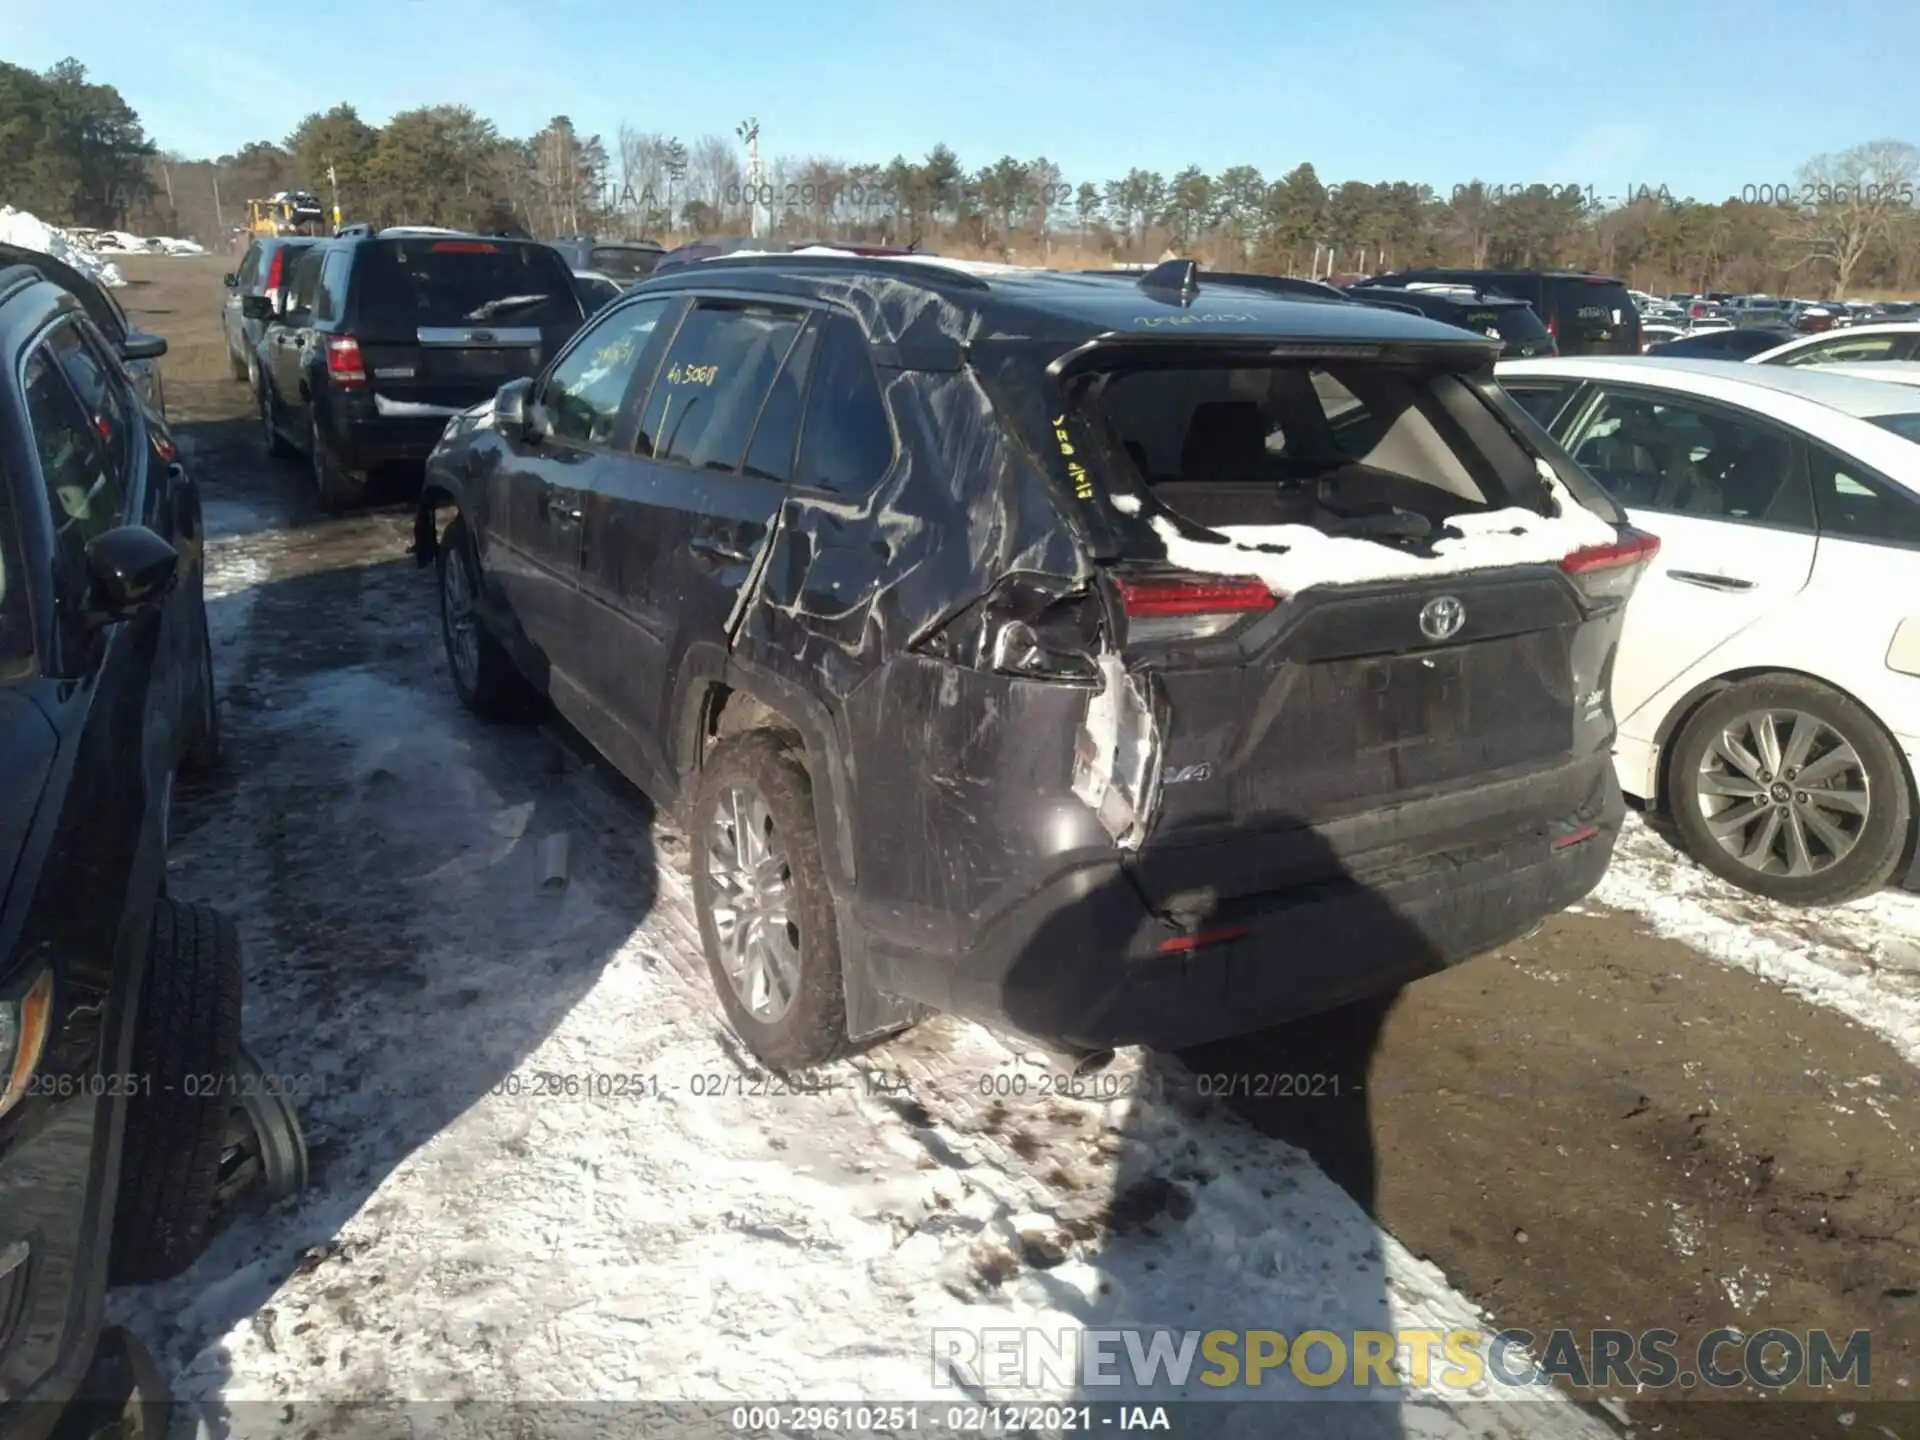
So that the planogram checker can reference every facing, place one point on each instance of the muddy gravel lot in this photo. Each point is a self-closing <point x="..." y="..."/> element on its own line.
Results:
<point x="1596" y="1129"/>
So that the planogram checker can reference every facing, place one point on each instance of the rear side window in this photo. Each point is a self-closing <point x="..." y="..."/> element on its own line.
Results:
<point x="1854" y="505"/>
<point x="330" y="304"/>
<point x="623" y="262"/>
<point x="713" y="382"/>
<point x="306" y="283"/>
<point x="449" y="283"/>
<point x="1861" y="349"/>
<point x="846" y="441"/>
<point x="249" y="272"/>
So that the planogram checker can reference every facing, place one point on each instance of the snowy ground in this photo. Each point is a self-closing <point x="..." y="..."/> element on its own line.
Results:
<point x="1862" y="959"/>
<point x="669" y="1224"/>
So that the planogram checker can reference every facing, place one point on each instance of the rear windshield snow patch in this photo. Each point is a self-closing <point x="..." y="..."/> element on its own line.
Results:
<point x="1290" y="558"/>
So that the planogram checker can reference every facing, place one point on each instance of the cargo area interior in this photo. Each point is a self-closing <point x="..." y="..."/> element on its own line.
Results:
<point x="1358" y="449"/>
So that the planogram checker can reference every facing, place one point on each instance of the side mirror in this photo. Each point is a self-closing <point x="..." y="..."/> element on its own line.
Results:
<point x="140" y="346"/>
<point x="132" y="569"/>
<point x="514" y="408"/>
<point x="232" y="282"/>
<point x="256" y="307"/>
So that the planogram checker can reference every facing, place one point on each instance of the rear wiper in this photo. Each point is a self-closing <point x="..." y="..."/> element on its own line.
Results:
<point x="504" y="304"/>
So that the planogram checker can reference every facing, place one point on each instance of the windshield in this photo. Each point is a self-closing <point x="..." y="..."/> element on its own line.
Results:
<point x="1906" y="425"/>
<point x="436" y="282"/>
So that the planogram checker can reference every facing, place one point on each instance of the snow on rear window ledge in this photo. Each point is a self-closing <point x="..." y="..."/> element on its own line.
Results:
<point x="1487" y="541"/>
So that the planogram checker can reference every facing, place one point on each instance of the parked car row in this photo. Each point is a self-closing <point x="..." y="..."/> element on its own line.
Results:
<point x="116" y="1000"/>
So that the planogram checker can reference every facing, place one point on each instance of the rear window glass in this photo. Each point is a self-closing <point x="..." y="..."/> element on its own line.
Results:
<point x="1284" y="429"/>
<point x="1602" y="304"/>
<point x="623" y="262"/>
<point x="1906" y="426"/>
<point x="1510" y="323"/>
<point x="457" y="282"/>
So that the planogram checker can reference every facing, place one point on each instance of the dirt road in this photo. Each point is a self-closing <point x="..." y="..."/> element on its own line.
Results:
<point x="1597" y="1129"/>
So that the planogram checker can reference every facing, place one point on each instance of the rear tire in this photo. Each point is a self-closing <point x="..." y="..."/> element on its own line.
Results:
<point x="186" y="1039"/>
<point x="484" y="675"/>
<point x="763" y="768"/>
<point x="276" y="443"/>
<point x="338" y="489"/>
<point x="1853" y="854"/>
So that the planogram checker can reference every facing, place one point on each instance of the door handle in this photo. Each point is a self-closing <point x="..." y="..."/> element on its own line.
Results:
<point x="1729" y="583"/>
<point x="718" y="551"/>
<point x="563" y="507"/>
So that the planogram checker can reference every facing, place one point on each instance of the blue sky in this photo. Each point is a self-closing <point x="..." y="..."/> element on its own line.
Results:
<point x="1704" y="98"/>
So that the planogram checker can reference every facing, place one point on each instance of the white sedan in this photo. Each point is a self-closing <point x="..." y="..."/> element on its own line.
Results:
<point x="1894" y="345"/>
<point x="1767" y="686"/>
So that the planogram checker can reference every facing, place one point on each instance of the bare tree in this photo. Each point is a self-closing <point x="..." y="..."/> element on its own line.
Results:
<point x="1850" y="201"/>
<point x="715" y="178"/>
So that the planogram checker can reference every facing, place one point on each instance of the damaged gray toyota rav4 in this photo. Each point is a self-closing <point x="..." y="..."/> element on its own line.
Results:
<point x="1117" y="660"/>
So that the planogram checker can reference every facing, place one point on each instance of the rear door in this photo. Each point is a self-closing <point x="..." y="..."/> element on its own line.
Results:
<point x="675" y="529"/>
<point x="286" y="344"/>
<point x="1726" y="491"/>
<point x="246" y="281"/>
<point x="1591" y="315"/>
<point x="443" y="322"/>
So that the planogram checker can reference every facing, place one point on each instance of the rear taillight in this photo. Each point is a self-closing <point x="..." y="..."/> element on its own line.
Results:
<point x="344" y="364"/>
<point x="463" y="247"/>
<point x="1553" y="328"/>
<point x="1189" y="607"/>
<point x="1609" y="572"/>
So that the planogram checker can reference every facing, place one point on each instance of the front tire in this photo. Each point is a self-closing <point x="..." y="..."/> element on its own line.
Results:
<point x="1791" y="790"/>
<point x="760" y="892"/>
<point x="203" y="751"/>
<point x="185" y="1041"/>
<point x="484" y="675"/>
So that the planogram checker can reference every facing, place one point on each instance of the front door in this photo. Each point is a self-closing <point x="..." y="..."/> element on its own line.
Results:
<point x="538" y="502"/>
<point x="1726" y="491"/>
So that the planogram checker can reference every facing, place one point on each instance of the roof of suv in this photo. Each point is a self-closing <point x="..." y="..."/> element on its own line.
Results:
<point x="966" y="300"/>
<point x="1862" y="399"/>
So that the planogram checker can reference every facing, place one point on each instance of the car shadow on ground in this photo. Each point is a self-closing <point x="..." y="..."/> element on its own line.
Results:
<point x="1209" y="1226"/>
<point x="384" y="854"/>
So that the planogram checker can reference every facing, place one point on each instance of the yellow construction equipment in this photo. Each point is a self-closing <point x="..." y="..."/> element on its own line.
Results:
<point x="289" y="212"/>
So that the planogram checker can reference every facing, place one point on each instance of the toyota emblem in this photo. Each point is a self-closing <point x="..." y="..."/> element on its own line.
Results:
<point x="1442" y="617"/>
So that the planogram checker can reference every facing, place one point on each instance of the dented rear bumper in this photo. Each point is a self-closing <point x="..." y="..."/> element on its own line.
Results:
<point x="1084" y="961"/>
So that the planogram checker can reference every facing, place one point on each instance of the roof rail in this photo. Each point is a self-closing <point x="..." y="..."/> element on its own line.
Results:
<point x="832" y="264"/>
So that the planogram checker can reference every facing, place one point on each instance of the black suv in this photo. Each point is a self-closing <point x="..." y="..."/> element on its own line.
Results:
<point x="625" y="262"/>
<point x="1586" y="314"/>
<point x="263" y="274"/>
<point x="1499" y="317"/>
<point x="1121" y="660"/>
<point x="112" y="997"/>
<point x="383" y="335"/>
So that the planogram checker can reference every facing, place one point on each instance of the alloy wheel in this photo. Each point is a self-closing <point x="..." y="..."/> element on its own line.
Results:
<point x="753" y="904"/>
<point x="1784" y="793"/>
